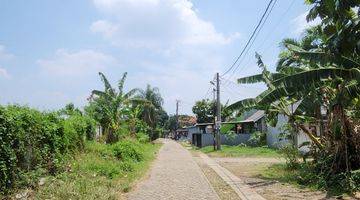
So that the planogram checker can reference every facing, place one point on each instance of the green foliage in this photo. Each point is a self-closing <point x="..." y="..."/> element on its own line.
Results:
<point x="109" y="107"/>
<point x="205" y="111"/>
<point x="128" y="150"/>
<point x="97" y="174"/>
<point x="310" y="175"/>
<point x="152" y="112"/>
<point x="31" y="141"/>
<point x="291" y="155"/>
<point x="122" y="114"/>
<point x="257" y="138"/>
<point x="321" y="71"/>
<point x="142" y="137"/>
<point x="77" y="128"/>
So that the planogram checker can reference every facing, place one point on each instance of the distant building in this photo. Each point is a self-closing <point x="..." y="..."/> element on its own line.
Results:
<point x="201" y="135"/>
<point x="181" y="134"/>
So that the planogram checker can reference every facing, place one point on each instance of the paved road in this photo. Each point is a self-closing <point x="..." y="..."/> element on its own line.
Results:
<point x="174" y="175"/>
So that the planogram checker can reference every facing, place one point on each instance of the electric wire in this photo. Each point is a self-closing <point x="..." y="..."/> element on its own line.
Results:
<point x="253" y="41"/>
<point x="251" y="37"/>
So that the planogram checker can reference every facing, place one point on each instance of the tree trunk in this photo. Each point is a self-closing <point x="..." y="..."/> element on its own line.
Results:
<point x="311" y="136"/>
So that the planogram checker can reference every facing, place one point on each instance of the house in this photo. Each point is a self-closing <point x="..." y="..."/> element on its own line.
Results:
<point x="181" y="134"/>
<point x="201" y="135"/>
<point x="274" y="136"/>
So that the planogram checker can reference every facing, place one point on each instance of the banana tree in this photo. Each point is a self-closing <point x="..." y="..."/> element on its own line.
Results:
<point x="110" y="106"/>
<point x="282" y="105"/>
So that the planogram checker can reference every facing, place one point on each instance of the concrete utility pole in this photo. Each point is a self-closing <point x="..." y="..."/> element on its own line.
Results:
<point x="214" y="100"/>
<point x="218" y="112"/>
<point x="177" y="114"/>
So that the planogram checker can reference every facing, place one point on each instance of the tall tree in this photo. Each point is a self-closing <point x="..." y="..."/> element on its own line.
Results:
<point x="153" y="108"/>
<point x="206" y="109"/>
<point x="323" y="69"/>
<point x="109" y="106"/>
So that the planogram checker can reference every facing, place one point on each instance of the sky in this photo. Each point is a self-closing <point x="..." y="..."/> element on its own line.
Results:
<point x="51" y="51"/>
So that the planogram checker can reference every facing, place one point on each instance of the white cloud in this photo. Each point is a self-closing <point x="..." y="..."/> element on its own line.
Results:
<point x="155" y="24"/>
<point x="65" y="63"/>
<point x="301" y="24"/>
<point x="4" y="55"/>
<point x="170" y="42"/>
<point x="4" y="73"/>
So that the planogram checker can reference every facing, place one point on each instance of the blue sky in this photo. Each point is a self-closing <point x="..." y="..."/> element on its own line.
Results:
<point x="51" y="51"/>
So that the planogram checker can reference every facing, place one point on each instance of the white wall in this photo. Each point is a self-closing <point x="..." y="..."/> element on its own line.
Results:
<point x="273" y="133"/>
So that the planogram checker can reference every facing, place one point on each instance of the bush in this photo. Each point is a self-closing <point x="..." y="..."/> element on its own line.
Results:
<point x="257" y="139"/>
<point x="142" y="137"/>
<point x="291" y="155"/>
<point x="30" y="140"/>
<point x="128" y="150"/>
<point x="77" y="129"/>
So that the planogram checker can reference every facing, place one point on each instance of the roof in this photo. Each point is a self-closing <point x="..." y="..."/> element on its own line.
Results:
<point x="181" y="130"/>
<point x="253" y="118"/>
<point x="204" y="124"/>
<point x="256" y="116"/>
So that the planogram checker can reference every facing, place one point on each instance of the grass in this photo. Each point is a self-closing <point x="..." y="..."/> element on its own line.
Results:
<point x="240" y="151"/>
<point x="98" y="174"/>
<point x="281" y="173"/>
<point x="300" y="177"/>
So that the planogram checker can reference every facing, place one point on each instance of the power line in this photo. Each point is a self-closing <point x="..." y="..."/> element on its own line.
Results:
<point x="251" y="37"/>
<point x="282" y="17"/>
<point x="275" y="27"/>
<point x="231" y="92"/>
<point x="207" y="93"/>
<point x="240" y="85"/>
<point x="253" y="41"/>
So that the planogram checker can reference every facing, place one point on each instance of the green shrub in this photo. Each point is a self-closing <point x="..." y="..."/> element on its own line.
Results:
<point x="127" y="166"/>
<point x="257" y="139"/>
<point x="31" y="140"/>
<point x="77" y="128"/>
<point x="128" y="150"/>
<point x="142" y="137"/>
<point x="291" y="155"/>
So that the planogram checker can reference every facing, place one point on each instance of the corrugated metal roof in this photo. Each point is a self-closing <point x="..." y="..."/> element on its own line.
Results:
<point x="203" y="124"/>
<point x="256" y="116"/>
<point x="253" y="118"/>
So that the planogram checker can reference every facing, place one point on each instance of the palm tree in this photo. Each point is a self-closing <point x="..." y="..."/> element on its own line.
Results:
<point x="151" y="109"/>
<point x="109" y="106"/>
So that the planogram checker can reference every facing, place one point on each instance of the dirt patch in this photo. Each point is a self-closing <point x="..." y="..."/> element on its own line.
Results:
<point x="224" y="191"/>
<point x="248" y="169"/>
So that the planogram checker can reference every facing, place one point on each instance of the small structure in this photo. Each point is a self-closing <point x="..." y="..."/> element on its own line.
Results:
<point x="181" y="134"/>
<point x="202" y="135"/>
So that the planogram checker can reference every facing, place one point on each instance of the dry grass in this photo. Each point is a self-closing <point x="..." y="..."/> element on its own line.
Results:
<point x="224" y="191"/>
